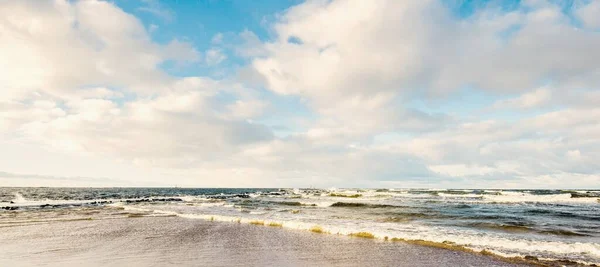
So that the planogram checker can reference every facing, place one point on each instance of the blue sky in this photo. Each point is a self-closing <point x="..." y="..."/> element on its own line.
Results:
<point x="200" y="22"/>
<point x="342" y="93"/>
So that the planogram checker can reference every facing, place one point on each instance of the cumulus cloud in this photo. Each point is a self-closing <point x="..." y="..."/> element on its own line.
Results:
<point x="588" y="14"/>
<point x="91" y="85"/>
<point x="74" y="82"/>
<point x="58" y="46"/>
<point x="373" y="55"/>
<point x="401" y="46"/>
<point x="183" y="125"/>
<point x="214" y="56"/>
<point x="155" y="8"/>
<point x="529" y="100"/>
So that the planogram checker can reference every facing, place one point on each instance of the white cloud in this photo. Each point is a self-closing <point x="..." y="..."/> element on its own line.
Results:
<point x="57" y="47"/>
<point x="574" y="154"/>
<point x="153" y="27"/>
<point x="534" y="99"/>
<point x="462" y="170"/>
<point x="249" y="45"/>
<point x="155" y="8"/>
<point x="84" y="91"/>
<point x="214" y="56"/>
<point x="372" y="57"/>
<point x="217" y="39"/>
<point x="185" y="123"/>
<point x="180" y="51"/>
<point x="85" y="87"/>
<point x="402" y="46"/>
<point x="589" y="14"/>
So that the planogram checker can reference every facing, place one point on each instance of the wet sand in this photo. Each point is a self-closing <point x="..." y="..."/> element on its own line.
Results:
<point x="175" y="241"/>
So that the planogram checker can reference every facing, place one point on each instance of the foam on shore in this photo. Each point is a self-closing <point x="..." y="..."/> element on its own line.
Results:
<point x="501" y="248"/>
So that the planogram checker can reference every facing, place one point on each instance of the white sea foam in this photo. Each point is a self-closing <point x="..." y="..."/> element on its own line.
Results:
<point x="445" y="195"/>
<point x="492" y="191"/>
<point x="587" y="253"/>
<point x="514" y="197"/>
<point x="20" y="201"/>
<point x="19" y="198"/>
<point x="377" y="221"/>
<point x="258" y="212"/>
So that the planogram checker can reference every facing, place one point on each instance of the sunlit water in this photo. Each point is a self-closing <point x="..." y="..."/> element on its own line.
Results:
<point x="547" y="224"/>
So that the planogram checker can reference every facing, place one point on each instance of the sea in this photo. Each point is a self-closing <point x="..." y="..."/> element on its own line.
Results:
<point x="539" y="225"/>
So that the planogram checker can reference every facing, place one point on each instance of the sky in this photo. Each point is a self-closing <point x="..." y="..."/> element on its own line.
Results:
<point x="292" y="93"/>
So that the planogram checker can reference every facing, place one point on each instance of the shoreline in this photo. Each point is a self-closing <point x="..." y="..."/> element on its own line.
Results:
<point x="445" y="245"/>
<point x="172" y="240"/>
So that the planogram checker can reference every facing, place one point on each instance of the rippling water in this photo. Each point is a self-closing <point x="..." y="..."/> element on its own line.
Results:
<point x="546" y="224"/>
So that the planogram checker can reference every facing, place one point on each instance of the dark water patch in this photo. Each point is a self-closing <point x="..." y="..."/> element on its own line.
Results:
<point x="538" y="211"/>
<point x="291" y="203"/>
<point x="6" y="196"/>
<point x="513" y="228"/>
<point x="482" y="217"/>
<point x="585" y="195"/>
<point x="284" y="203"/>
<point x="553" y="205"/>
<point x="574" y="214"/>
<point x="426" y="192"/>
<point x="417" y="215"/>
<point x="541" y="192"/>
<point x="363" y="205"/>
<point x="153" y="200"/>
<point x="464" y="192"/>
<point x="399" y="219"/>
<point x="48" y="206"/>
<point x="556" y="213"/>
<point x="459" y="206"/>
<point x="561" y="233"/>
<point x="247" y="203"/>
<point x="56" y="206"/>
<point x="229" y="196"/>
<point x="345" y="195"/>
<point x="44" y="193"/>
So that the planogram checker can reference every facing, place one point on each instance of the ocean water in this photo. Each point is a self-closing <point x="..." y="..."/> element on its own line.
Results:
<point x="545" y="224"/>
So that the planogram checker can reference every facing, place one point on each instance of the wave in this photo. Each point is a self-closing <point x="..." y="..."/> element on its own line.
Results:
<point x="411" y="216"/>
<point x="19" y="198"/>
<point x="562" y="233"/>
<point x="563" y="214"/>
<point x="513" y="228"/>
<point x="346" y="195"/>
<point x="363" y="205"/>
<point x="549" y="231"/>
<point x="514" y="197"/>
<point x="520" y="228"/>
<point x="292" y="203"/>
<point x="54" y="204"/>
<point x="463" y="195"/>
<point x="585" y="194"/>
<point x="489" y="244"/>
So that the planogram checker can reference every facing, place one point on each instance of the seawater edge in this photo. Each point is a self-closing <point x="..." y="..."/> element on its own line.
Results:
<point x="530" y="260"/>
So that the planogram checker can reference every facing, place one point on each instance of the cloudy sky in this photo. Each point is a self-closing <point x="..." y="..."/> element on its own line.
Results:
<point x="343" y="93"/>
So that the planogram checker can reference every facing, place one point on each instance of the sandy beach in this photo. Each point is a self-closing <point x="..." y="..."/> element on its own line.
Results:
<point x="174" y="241"/>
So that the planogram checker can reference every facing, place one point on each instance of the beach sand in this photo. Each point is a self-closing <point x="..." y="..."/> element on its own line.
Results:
<point x="175" y="241"/>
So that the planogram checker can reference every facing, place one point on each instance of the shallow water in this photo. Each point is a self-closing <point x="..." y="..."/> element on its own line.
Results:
<point x="173" y="241"/>
<point x="547" y="224"/>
